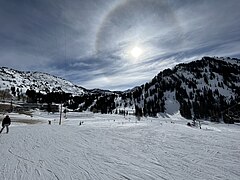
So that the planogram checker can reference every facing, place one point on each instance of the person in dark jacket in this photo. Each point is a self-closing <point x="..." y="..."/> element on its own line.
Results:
<point x="5" y="123"/>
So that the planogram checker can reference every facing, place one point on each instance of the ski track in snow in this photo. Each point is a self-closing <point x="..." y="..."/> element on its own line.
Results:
<point x="107" y="149"/>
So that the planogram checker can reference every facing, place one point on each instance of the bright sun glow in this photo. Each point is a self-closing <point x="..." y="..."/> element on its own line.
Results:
<point x="136" y="52"/>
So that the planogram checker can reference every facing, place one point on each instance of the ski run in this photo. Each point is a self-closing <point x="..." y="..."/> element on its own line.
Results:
<point x="108" y="147"/>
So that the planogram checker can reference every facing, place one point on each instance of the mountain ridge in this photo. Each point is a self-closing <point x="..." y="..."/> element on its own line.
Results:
<point x="29" y="73"/>
<point x="39" y="81"/>
<point x="201" y="89"/>
<point x="187" y="84"/>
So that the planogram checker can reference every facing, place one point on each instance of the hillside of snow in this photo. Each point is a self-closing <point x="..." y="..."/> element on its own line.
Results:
<point x="40" y="82"/>
<point x="201" y="89"/>
<point x="113" y="147"/>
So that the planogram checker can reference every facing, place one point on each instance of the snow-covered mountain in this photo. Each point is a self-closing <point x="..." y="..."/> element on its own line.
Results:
<point x="38" y="81"/>
<point x="202" y="89"/>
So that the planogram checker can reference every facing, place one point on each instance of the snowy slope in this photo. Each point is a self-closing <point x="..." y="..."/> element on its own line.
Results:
<point x="187" y="86"/>
<point x="40" y="82"/>
<point x="229" y="60"/>
<point x="110" y="147"/>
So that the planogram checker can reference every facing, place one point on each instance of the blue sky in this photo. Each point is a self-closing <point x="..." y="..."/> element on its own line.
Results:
<point x="90" y="42"/>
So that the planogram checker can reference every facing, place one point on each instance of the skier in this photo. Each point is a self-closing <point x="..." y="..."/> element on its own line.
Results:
<point x="5" y="123"/>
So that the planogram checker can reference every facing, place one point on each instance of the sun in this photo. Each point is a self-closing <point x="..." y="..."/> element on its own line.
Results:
<point x="136" y="52"/>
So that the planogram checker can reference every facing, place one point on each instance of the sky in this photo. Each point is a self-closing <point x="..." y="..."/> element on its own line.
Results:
<point x="114" y="44"/>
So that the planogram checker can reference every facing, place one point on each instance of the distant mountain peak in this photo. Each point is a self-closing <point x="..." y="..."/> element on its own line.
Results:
<point x="39" y="81"/>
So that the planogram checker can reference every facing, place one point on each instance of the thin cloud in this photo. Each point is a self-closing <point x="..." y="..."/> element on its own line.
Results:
<point x="88" y="42"/>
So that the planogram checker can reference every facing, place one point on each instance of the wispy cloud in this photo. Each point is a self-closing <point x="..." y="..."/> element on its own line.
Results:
<point x="89" y="42"/>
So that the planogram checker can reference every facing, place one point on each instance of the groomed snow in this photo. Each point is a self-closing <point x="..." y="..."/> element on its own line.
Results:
<point x="108" y="147"/>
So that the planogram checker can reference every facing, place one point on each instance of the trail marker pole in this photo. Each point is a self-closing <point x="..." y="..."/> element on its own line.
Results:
<point x="60" y="121"/>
